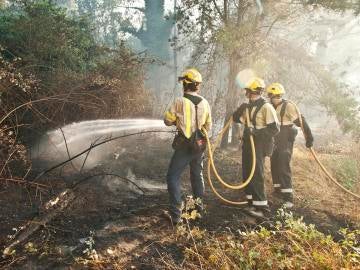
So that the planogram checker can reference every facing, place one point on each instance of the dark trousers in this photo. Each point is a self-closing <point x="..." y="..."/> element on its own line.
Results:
<point x="255" y="190"/>
<point x="180" y="159"/>
<point x="280" y="162"/>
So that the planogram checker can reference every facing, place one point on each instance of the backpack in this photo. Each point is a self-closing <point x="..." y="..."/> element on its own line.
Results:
<point x="197" y="142"/>
<point x="197" y="139"/>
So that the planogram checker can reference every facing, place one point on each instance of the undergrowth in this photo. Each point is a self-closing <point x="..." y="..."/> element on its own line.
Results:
<point x="347" y="170"/>
<point x="289" y="243"/>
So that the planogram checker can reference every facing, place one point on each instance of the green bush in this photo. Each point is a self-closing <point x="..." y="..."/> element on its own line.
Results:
<point x="289" y="244"/>
<point x="346" y="170"/>
<point x="76" y="78"/>
<point x="44" y="36"/>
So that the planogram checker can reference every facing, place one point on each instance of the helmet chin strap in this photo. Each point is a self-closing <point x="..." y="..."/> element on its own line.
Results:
<point x="253" y="96"/>
<point x="276" y="100"/>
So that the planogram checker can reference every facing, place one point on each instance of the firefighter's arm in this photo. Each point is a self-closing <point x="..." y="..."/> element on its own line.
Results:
<point x="272" y="129"/>
<point x="272" y="122"/>
<point x="238" y="115"/>
<point x="208" y="121"/>
<point x="309" y="139"/>
<point x="170" y="115"/>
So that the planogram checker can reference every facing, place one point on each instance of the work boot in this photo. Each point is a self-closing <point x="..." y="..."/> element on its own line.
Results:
<point x="288" y="205"/>
<point x="249" y="200"/>
<point x="200" y="209"/>
<point x="277" y="197"/>
<point x="174" y="220"/>
<point x="258" y="212"/>
<point x="277" y="193"/>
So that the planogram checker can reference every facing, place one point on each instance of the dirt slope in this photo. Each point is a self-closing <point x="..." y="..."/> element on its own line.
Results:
<point x="110" y="225"/>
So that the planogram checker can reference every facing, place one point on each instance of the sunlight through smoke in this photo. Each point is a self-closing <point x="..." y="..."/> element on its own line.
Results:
<point x="243" y="77"/>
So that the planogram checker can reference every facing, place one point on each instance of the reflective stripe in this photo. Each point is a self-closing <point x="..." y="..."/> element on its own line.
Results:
<point x="249" y="197"/>
<point x="260" y="203"/>
<point x="286" y="190"/>
<point x="187" y="117"/>
<point x="169" y="116"/>
<point x="276" y="185"/>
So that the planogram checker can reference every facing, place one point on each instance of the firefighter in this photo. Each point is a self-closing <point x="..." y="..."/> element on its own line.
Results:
<point x="287" y="114"/>
<point x="189" y="114"/>
<point x="264" y="125"/>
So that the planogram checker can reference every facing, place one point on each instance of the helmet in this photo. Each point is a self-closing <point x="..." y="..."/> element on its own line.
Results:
<point x="191" y="76"/>
<point x="275" y="89"/>
<point x="255" y="84"/>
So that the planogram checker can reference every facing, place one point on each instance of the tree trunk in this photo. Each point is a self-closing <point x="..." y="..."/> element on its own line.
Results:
<point x="231" y="98"/>
<point x="157" y="33"/>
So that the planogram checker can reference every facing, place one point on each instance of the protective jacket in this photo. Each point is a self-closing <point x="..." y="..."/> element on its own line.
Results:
<point x="264" y="125"/>
<point x="287" y="114"/>
<point x="189" y="113"/>
<point x="284" y="144"/>
<point x="182" y="113"/>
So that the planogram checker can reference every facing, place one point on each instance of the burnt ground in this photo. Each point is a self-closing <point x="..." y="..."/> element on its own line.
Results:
<point x="111" y="225"/>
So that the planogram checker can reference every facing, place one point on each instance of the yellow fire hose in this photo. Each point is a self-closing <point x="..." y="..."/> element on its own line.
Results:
<point x="211" y="164"/>
<point x="313" y="153"/>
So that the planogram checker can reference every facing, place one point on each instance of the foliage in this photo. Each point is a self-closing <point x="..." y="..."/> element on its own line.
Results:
<point x="15" y="87"/>
<point x="114" y="18"/>
<point x="231" y="25"/>
<point x="347" y="170"/>
<point x="76" y="78"/>
<point x="337" y="5"/>
<point x="53" y="72"/>
<point x="289" y="244"/>
<point x="341" y="103"/>
<point x="45" y="36"/>
<point x="14" y="160"/>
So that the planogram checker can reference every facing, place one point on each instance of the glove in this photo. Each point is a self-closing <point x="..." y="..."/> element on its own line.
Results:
<point x="239" y="112"/>
<point x="309" y="143"/>
<point x="251" y="131"/>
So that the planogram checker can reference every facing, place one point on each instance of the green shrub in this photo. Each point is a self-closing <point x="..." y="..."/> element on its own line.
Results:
<point x="76" y="78"/>
<point x="346" y="170"/>
<point x="45" y="36"/>
<point x="289" y="244"/>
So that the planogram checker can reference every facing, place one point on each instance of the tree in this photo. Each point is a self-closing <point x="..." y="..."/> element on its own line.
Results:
<point x="337" y="5"/>
<point x="76" y="78"/>
<point x="155" y="30"/>
<point x="230" y="26"/>
<point x="43" y="34"/>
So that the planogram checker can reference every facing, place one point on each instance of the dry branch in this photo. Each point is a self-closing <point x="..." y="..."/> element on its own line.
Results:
<point x="50" y="210"/>
<point x="24" y="182"/>
<point x="67" y="148"/>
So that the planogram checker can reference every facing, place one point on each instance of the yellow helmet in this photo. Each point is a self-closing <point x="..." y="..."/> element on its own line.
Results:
<point x="255" y="84"/>
<point x="191" y="76"/>
<point x="275" y="89"/>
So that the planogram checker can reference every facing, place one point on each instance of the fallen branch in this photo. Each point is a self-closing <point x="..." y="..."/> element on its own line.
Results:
<point x="21" y="181"/>
<point x="50" y="210"/>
